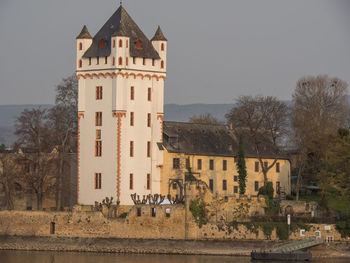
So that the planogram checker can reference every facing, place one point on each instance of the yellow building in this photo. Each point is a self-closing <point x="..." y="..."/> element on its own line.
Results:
<point x="210" y="150"/>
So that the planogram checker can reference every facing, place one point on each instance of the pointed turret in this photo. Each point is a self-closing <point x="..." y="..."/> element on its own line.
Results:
<point x="159" y="35"/>
<point x="84" y="34"/>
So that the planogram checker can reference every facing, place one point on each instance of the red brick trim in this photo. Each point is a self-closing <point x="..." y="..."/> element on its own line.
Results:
<point x="126" y="75"/>
<point x="160" y="116"/>
<point x="119" y="116"/>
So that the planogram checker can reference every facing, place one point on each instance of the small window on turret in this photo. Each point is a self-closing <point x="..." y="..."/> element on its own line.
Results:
<point x="106" y="60"/>
<point x="120" y="43"/>
<point x="80" y="46"/>
<point x="162" y="47"/>
<point x="138" y="44"/>
<point x="162" y="64"/>
<point x="120" y="61"/>
<point x="113" y="43"/>
<point x="80" y="63"/>
<point x="127" y="43"/>
<point x="153" y="62"/>
<point x="144" y="61"/>
<point x="89" y="61"/>
<point x="102" y="42"/>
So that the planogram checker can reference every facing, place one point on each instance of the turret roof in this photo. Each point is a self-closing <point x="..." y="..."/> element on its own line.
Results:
<point x="159" y="35"/>
<point x="84" y="33"/>
<point x="121" y="24"/>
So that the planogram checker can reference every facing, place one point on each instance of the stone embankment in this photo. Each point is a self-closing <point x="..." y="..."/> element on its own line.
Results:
<point x="150" y="246"/>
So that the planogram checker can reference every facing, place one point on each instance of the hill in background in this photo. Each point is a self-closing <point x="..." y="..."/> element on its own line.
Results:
<point x="173" y="112"/>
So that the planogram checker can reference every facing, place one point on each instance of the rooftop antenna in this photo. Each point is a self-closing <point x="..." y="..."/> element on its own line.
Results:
<point x="121" y="2"/>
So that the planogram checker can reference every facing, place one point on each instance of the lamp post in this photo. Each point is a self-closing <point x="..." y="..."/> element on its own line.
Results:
<point x="288" y="222"/>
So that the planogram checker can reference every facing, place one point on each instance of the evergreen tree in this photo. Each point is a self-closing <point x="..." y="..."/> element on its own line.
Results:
<point x="241" y="168"/>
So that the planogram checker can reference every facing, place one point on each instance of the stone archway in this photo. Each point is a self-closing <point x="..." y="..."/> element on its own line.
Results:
<point x="179" y="183"/>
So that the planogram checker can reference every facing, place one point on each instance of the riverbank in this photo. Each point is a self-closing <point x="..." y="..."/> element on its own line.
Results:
<point x="151" y="246"/>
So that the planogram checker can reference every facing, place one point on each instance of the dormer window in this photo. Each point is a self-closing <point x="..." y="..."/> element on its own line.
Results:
<point x="102" y="43"/>
<point x="138" y="44"/>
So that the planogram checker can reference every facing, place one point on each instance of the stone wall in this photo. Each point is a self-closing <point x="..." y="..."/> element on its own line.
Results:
<point x="145" y="226"/>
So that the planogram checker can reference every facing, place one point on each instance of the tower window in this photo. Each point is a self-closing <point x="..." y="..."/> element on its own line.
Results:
<point x="99" y="93"/>
<point x="256" y="186"/>
<point x="120" y="43"/>
<point x="89" y="61"/>
<point x="148" y="185"/>
<point x="98" y="148"/>
<point x="138" y="44"/>
<point x="102" y="43"/>
<point x="80" y="46"/>
<point x="80" y="63"/>
<point x="131" y="182"/>
<point x="113" y="43"/>
<point x="149" y="94"/>
<point x="162" y="64"/>
<point x="162" y="47"/>
<point x="127" y="61"/>
<point x="98" y="135"/>
<point x="153" y="62"/>
<point x="98" y="180"/>
<point x="148" y="149"/>
<point x="98" y="118"/>
<point x="132" y="93"/>
<point x="97" y="60"/>
<point x="131" y="148"/>
<point x="133" y="60"/>
<point x="113" y="61"/>
<point x="148" y="119"/>
<point x="127" y="43"/>
<point x="120" y="61"/>
<point x="144" y="61"/>
<point x="106" y="60"/>
<point x="131" y="119"/>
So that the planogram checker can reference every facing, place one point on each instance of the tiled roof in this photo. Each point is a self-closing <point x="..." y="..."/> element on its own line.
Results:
<point x="84" y="33"/>
<point x="121" y="24"/>
<point x="159" y="35"/>
<point x="208" y="140"/>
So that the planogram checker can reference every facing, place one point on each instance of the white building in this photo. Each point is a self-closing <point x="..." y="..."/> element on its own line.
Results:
<point x="121" y="90"/>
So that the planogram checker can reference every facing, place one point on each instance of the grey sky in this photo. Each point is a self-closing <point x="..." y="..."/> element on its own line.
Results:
<point x="217" y="50"/>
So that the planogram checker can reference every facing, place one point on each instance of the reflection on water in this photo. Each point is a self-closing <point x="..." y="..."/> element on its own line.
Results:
<point x="67" y="257"/>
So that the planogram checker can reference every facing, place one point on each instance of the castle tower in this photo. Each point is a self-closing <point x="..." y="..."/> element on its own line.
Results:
<point x="121" y="95"/>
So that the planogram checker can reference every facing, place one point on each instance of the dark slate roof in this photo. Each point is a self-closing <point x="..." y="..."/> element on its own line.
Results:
<point x="208" y="140"/>
<point x="84" y="33"/>
<point x="159" y="35"/>
<point x="121" y="24"/>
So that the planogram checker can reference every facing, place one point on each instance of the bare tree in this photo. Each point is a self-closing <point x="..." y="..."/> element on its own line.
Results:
<point x="319" y="109"/>
<point x="63" y="123"/>
<point x="9" y="173"/>
<point x="204" y="119"/>
<point x="264" y="121"/>
<point x="35" y="138"/>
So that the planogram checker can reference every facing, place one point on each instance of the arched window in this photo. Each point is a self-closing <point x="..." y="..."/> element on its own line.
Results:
<point x="102" y="42"/>
<point x="127" y="43"/>
<point x="162" y="47"/>
<point x="113" y="43"/>
<point x="139" y="44"/>
<point x="120" y="43"/>
<point x="162" y="64"/>
<point x="127" y="62"/>
<point x="80" y="46"/>
<point x="80" y="63"/>
<point x="113" y="61"/>
<point x="120" y="61"/>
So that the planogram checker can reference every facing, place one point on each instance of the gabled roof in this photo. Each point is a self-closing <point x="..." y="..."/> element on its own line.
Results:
<point x="84" y="33"/>
<point x="159" y="35"/>
<point x="208" y="140"/>
<point x="121" y="24"/>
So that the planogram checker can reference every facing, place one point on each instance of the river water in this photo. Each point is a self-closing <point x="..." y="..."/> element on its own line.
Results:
<point x="70" y="257"/>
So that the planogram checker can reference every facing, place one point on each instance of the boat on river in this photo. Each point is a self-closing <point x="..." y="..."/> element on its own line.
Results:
<point x="281" y="256"/>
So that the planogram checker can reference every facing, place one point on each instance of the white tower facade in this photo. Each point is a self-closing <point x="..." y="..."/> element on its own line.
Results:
<point x="121" y="99"/>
